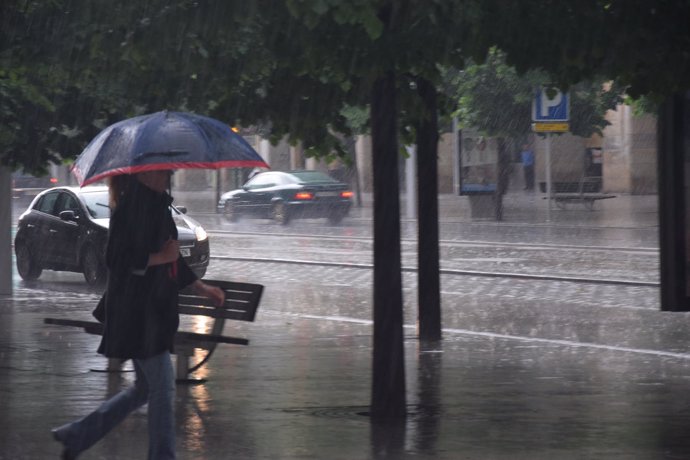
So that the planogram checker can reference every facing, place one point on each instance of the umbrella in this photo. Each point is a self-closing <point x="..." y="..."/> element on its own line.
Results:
<point x="163" y="140"/>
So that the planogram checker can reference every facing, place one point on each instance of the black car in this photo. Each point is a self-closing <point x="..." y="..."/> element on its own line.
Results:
<point x="288" y="195"/>
<point x="66" y="229"/>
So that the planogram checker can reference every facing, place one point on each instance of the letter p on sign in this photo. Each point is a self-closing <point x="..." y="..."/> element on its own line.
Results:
<point x="545" y="109"/>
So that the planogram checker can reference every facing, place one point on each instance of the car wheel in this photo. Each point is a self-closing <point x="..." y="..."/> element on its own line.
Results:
<point x="94" y="271"/>
<point x="230" y="211"/>
<point x="336" y="217"/>
<point x="27" y="266"/>
<point x="280" y="213"/>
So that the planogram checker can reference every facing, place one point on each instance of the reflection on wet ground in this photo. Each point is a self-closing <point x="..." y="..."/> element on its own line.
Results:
<point x="528" y="369"/>
<point x="299" y="391"/>
<point x="629" y="220"/>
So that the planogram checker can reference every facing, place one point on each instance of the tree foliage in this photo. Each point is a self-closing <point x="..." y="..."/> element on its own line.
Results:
<point x="30" y="86"/>
<point x="70" y="67"/>
<point x="74" y="67"/>
<point x="494" y="98"/>
<point x="642" y="44"/>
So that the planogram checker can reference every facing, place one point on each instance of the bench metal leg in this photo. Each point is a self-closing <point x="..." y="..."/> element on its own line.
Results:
<point x="115" y="365"/>
<point x="182" y="370"/>
<point x="181" y="367"/>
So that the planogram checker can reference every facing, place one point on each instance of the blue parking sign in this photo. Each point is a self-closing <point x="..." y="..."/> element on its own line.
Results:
<point x="546" y="109"/>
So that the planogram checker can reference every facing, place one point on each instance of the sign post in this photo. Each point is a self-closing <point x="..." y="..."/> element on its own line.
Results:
<point x="550" y="114"/>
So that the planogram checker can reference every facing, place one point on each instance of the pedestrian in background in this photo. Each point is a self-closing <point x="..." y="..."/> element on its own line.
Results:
<point x="139" y="312"/>
<point x="527" y="158"/>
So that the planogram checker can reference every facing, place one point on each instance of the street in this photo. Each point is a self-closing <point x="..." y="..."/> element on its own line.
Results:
<point x="553" y="281"/>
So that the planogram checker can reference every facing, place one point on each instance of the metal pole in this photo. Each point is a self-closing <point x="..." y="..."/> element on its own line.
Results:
<point x="456" y="158"/>
<point x="410" y="182"/>
<point x="219" y="188"/>
<point x="6" y="231"/>
<point x="548" y="177"/>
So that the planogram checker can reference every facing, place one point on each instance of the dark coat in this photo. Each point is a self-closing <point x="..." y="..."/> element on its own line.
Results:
<point x="140" y="304"/>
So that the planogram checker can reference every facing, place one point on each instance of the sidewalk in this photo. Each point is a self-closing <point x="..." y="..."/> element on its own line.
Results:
<point x="624" y="221"/>
<point x="518" y="206"/>
<point x="301" y="389"/>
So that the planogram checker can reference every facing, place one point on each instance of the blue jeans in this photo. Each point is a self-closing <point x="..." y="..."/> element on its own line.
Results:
<point x="155" y="384"/>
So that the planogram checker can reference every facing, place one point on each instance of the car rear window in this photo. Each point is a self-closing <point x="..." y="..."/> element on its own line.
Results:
<point x="310" y="177"/>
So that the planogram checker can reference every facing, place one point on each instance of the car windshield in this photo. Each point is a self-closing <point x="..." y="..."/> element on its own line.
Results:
<point x="311" y="177"/>
<point x="97" y="204"/>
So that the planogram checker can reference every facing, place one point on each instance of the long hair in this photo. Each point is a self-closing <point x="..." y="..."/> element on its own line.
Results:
<point x="118" y="186"/>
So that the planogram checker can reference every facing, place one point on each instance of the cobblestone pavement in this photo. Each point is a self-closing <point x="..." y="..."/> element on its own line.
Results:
<point x="630" y="264"/>
<point x="528" y="368"/>
<point x="601" y="314"/>
<point x="521" y="374"/>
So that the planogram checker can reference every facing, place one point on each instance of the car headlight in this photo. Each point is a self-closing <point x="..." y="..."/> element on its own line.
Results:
<point x="200" y="233"/>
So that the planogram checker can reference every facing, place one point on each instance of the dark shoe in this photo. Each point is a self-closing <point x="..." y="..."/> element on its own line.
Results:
<point x="67" y="453"/>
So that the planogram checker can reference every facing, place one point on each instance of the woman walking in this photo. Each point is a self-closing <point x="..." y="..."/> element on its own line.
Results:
<point x="139" y="312"/>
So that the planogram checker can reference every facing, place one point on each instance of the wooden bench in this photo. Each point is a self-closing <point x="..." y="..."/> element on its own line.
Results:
<point x="241" y="303"/>
<point x="587" y="193"/>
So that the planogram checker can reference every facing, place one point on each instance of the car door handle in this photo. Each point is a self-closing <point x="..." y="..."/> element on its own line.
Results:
<point x="52" y="231"/>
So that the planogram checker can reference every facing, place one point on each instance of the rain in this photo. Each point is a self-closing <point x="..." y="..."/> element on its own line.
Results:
<point x="486" y="255"/>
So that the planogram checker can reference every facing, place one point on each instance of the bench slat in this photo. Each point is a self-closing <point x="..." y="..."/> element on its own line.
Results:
<point x="241" y="301"/>
<point x="580" y="196"/>
<point x="91" y="327"/>
<point x="229" y="304"/>
<point x="214" y="312"/>
<point x="194" y="338"/>
<point x="244" y="297"/>
<point x="96" y="328"/>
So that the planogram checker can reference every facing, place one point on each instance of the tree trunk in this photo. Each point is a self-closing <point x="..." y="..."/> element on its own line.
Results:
<point x="5" y="231"/>
<point x="388" y="383"/>
<point x="503" y="176"/>
<point x="673" y="208"/>
<point x="429" y="285"/>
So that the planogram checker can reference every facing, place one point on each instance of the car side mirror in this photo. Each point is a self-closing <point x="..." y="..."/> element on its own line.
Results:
<point x="69" y="216"/>
<point x="182" y="209"/>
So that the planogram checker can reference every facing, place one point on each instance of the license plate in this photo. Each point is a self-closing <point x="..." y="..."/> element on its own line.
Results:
<point x="328" y="193"/>
<point x="186" y="252"/>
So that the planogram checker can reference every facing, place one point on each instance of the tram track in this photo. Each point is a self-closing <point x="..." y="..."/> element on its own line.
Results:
<point x="447" y="242"/>
<point x="610" y="281"/>
<point x="523" y="276"/>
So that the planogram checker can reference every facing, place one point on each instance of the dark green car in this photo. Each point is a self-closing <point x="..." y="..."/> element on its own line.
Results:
<point x="288" y="195"/>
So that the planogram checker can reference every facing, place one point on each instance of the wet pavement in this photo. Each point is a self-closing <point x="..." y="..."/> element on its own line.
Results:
<point x="528" y="369"/>
<point x="627" y="220"/>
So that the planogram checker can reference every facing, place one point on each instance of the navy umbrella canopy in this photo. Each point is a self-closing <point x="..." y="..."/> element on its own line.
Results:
<point x="161" y="141"/>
